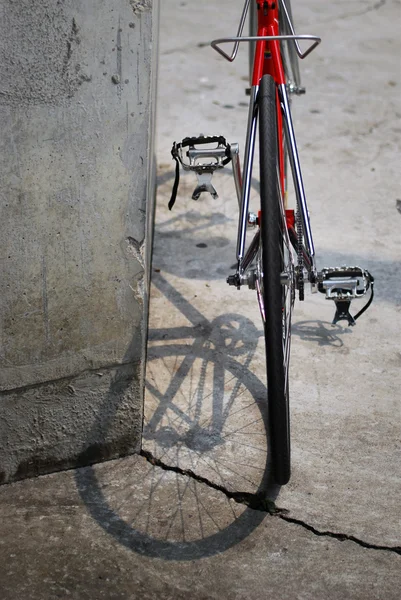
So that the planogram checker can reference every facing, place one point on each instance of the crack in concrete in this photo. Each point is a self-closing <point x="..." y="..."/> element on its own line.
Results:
<point x="341" y="537"/>
<point x="254" y="501"/>
<point x="259" y="502"/>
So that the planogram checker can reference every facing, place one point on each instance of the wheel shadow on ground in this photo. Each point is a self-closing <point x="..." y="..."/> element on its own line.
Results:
<point x="169" y="512"/>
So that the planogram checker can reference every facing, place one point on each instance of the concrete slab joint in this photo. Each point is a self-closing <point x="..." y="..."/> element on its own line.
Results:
<point x="76" y="203"/>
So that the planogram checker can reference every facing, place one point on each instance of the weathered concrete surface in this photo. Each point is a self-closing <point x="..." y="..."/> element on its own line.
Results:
<point x="76" y="202"/>
<point x="131" y="531"/>
<point x="206" y="374"/>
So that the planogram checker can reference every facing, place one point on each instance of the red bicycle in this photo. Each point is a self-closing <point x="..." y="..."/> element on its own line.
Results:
<point x="280" y="258"/>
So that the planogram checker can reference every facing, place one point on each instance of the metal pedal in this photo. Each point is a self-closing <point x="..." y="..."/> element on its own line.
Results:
<point x="204" y="161"/>
<point x="344" y="284"/>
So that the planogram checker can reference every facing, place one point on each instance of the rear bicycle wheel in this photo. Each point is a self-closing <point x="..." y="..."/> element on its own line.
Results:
<point x="277" y="282"/>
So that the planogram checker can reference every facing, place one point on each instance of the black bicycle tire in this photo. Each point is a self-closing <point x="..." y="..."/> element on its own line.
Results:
<point x="272" y="288"/>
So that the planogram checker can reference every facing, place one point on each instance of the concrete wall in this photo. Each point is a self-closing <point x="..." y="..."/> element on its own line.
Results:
<point x="76" y="208"/>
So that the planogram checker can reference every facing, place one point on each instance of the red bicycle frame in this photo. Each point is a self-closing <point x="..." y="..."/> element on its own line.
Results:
<point x="267" y="61"/>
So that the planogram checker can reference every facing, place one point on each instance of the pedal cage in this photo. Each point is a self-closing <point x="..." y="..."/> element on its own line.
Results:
<point x="204" y="161"/>
<point x="344" y="284"/>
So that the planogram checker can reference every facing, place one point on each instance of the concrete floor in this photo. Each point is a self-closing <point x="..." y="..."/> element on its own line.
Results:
<point x="190" y="518"/>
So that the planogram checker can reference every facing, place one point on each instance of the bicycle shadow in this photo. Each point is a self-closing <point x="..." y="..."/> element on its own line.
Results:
<point x="206" y="372"/>
<point x="133" y="517"/>
<point x="387" y="271"/>
<point x="204" y="235"/>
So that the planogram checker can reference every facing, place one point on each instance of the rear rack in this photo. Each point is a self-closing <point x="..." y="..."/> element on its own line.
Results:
<point x="240" y="38"/>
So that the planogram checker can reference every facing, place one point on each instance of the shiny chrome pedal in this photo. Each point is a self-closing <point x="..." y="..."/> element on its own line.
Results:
<point x="204" y="161"/>
<point x="344" y="284"/>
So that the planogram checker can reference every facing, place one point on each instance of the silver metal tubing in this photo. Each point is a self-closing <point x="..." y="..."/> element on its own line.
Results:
<point x="234" y="148"/>
<point x="296" y="38"/>
<point x="247" y="172"/>
<point x="237" y="39"/>
<point x="251" y="252"/>
<point x="195" y="154"/>
<point x="253" y="28"/>
<point x="296" y="170"/>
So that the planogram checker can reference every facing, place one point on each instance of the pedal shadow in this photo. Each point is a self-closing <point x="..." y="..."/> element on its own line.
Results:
<point x="200" y="241"/>
<point x="320" y="332"/>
